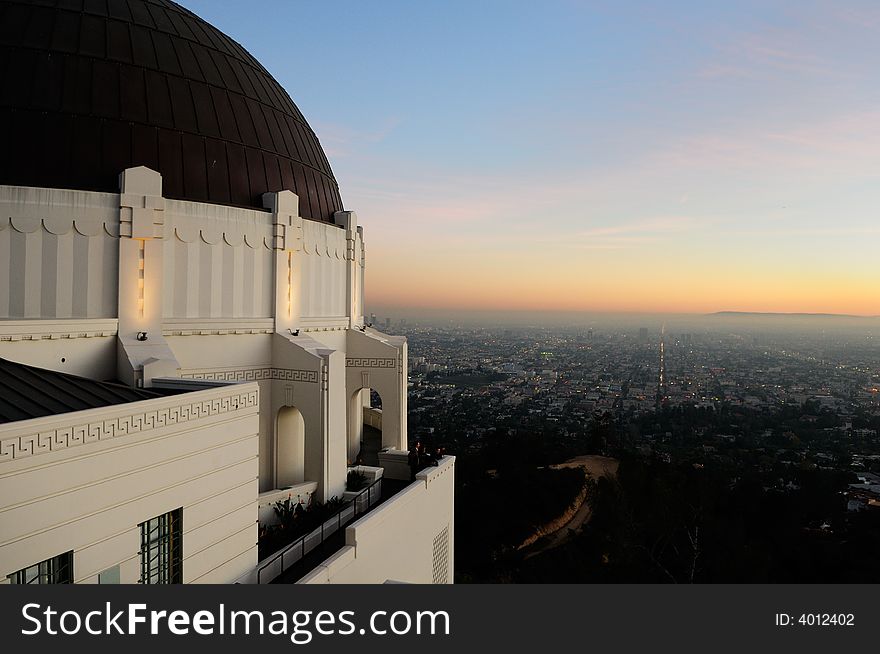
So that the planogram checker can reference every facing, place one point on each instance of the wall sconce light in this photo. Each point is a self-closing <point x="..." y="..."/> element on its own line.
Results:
<point x="141" y="336"/>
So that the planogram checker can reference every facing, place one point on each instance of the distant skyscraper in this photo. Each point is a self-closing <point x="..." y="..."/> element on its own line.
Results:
<point x="643" y="334"/>
<point x="387" y="324"/>
<point x="590" y="334"/>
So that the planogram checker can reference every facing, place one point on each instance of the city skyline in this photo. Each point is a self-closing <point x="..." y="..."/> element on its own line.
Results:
<point x="586" y="156"/>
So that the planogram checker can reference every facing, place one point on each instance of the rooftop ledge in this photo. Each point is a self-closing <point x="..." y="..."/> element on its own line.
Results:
<point x="339" y="547"/>
<point x="375" y="550"/>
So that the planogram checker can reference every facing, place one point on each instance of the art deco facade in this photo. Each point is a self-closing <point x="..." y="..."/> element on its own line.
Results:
<point x="182" y="329"/>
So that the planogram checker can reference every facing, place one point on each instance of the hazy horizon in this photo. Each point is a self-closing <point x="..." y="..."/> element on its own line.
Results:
<point x="672" y="321"/>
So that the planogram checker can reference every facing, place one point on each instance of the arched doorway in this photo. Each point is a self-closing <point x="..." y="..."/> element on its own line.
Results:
<point x="365" y="426"/>
<point x="290" y="433"/>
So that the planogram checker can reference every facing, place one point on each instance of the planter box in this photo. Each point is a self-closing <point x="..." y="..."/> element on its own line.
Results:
<point x="395" y="464"/>
<point x="298" y="492"/>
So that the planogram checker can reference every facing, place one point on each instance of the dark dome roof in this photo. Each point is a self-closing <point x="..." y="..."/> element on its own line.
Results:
<point x="91" y="87"/>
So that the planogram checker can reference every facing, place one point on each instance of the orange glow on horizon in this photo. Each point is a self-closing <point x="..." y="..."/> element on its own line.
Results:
<point x="622" y="286"/>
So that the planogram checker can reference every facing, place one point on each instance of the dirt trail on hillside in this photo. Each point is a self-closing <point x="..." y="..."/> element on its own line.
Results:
<point x="595" y="466"/>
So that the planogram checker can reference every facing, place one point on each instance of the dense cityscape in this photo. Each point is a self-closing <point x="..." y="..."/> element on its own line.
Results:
<point x="789" y="407"/>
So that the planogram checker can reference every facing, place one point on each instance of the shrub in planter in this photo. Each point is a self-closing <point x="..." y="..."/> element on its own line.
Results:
<point x="295" y="520"/>
<point x="355" y="481"/>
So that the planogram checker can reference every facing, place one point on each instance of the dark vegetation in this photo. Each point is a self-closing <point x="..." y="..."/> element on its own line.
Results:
<point x="295" y="520"/>
<point x="503" y="495"/>
<point x="516" y="502"/>
<point x="659" y="522"/>
<point x="355" y="480"/>
<point x="756" y="508"/>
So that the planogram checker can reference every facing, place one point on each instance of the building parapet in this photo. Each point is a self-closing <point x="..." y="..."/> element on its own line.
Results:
<point x="36" y="330"/>
<point x="54" y="434"/>
<point x="375" y="550"/>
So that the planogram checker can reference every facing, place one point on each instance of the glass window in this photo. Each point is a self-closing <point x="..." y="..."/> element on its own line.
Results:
<point x="162" y="549"/>
<point x="57" y="570"/>
<point x="109" y="576"/>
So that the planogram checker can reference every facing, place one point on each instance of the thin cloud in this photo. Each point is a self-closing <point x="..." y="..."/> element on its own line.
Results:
<point x="806" y="47"/>
<point x="339" y="141"/>
<point x="845" y="144"/>
<point x="801" y="231"/>
<point x="866" y="16"/>
<point x="651" y="226"/>
<point x="765" y="51"/>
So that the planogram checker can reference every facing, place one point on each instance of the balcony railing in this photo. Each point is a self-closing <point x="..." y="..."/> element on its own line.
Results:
<point x="298" y="549"/>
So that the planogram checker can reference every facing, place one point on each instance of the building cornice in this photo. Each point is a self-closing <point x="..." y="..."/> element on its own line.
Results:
<point x="27" y="438"/>
<point x="51" y="329"/>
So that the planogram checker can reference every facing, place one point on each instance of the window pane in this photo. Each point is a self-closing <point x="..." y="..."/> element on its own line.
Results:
<point x="57" y="570"/>
<point x="161" y="554"/>
<point x="109" y="576"/>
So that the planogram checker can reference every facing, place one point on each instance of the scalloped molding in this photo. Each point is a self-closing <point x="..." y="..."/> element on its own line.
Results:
<point x="61" y="226"/>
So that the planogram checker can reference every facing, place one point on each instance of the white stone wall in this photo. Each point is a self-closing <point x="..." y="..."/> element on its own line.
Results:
<point x="85" y="480"/>
<point x="410" y="538"/>
<point x="324" y="271"/>
<point x="84" y="347"/>
<point x="59" y="253"/>
<point x="218" y="262"/>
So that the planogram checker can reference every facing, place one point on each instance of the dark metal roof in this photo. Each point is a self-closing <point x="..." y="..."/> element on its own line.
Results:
<point x="27" y="392"/>
<point x="91" y="87"/>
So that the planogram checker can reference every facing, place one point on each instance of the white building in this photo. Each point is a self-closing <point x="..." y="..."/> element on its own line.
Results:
<point x="182" y="336"/>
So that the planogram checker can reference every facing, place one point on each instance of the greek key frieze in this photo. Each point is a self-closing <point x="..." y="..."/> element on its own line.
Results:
<point x="370" y="363"/>
<point x="255" y="374"/>
<point x="65" y="437"/>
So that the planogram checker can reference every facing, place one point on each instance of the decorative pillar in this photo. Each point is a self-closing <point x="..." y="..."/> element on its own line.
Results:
<point x="142" y="352"/>
<point x="348" y="221"/>
<point x="403" y="394"/>
<point x="361" y="271"/>
<point x="287" y="237"/>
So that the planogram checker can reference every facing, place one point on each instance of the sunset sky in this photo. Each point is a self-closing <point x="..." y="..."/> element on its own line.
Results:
<point x="577" y="155"/>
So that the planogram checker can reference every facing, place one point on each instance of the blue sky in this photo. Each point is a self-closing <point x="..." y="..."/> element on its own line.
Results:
<point x="669" y="156"/>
